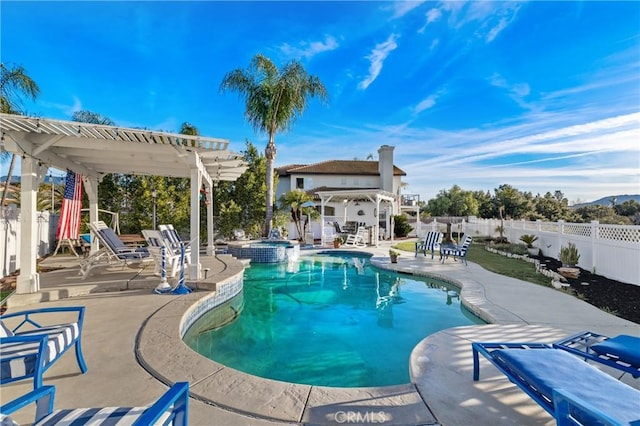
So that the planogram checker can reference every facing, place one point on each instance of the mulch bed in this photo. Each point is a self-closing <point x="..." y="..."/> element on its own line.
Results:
<point x="618" y="298"/>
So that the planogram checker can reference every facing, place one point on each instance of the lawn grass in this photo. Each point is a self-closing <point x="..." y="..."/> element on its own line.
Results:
<point x="497" y="263"/>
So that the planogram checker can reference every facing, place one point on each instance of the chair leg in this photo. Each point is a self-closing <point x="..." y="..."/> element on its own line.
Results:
<point x="79" y="357"/>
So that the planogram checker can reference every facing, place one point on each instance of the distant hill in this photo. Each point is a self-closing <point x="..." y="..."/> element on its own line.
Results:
<point x="606" y="201"/>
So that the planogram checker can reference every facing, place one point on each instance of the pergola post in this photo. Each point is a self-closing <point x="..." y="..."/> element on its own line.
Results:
<point x="210" y="230"/>
<point x="91" y="188"/>
<point x="196" y="184"/>
<point x="29" y="280"/>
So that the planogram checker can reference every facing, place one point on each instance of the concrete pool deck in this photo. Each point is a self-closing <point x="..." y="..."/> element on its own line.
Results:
<point x="131" y="345"/>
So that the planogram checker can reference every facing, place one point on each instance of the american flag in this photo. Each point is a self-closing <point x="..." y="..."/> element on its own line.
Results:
<point x="69" y="222"/>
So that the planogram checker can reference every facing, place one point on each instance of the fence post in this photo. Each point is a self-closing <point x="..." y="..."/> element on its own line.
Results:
<point x="595" y="236"/>
<point x="560" y="236"/>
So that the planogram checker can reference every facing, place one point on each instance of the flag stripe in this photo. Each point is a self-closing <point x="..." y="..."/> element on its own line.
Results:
<point x="69" y="222"/>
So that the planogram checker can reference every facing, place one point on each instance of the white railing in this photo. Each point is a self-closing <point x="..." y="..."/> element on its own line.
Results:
<point x="10" y="238"/>
<point x="609" y="250"/>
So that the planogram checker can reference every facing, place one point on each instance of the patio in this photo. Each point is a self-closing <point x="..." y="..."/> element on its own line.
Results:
<point x="132" y="346"/>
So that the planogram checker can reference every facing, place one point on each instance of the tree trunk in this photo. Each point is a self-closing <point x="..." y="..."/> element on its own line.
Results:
<point x="7" y="184"/>
<point x="270" y="154"/>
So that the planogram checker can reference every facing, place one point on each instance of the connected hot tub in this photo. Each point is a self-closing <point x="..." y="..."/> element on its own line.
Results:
<point x="268" y="251"/>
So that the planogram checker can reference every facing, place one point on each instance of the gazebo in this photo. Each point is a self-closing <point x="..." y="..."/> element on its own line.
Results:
<point x="378" y="197"/>
<point x="95" y="150"/>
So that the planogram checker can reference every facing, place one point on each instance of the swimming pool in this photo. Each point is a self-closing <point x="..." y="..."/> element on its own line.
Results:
<point x="331" y="320"/>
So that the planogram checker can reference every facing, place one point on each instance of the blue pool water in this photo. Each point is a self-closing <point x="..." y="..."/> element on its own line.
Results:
<point x="331" y="320"/>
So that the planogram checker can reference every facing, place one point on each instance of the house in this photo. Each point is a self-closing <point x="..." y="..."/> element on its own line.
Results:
<point x="350" y="192"/>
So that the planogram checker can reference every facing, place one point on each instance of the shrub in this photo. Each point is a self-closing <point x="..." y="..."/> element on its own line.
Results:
<point x="529" y="239"/>
<point x="569" y="255"/>
<point x="401" y="226"/>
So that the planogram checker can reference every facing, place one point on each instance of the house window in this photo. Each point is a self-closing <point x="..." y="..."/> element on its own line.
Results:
<point x="300" y="183"/>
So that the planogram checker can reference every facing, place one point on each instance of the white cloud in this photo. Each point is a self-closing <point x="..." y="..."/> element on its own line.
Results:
<point x="433" y="15"/>
<point x="376" y="58"/>
<point x="490" y="18"/>
<point x="426" y="103"/>
<point x="401" y="8"/>
<point x="516" y="91"/>
<point x="308" y="49"/>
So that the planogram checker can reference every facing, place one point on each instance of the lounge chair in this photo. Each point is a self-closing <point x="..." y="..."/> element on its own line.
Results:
<point x="170" y="409"/>
<point x="620" y="352"/>
<point x="155" y="242"/>
<point x="112" y="250"/>
<point x="275" y="234"/>
<point x="431" y="241"/>
<point x="357" y="239"/>
<point x="34" y="335"/>
<point x="572" y="391"/>
<point x="458" y="252"/>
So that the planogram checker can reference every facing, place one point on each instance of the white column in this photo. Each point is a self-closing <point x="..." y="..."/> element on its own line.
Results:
<point x="91" y="188"/>
<point x="210" y="230"/>
<point x="194" y="235"/>
<point x="29" y="280"/>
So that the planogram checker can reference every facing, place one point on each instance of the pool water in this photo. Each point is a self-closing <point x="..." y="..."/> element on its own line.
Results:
<point x="331" y="320"/>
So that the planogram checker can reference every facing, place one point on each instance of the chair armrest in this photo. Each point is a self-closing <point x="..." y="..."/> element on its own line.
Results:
<point x="175" y="400"/>
<point x="42" y="396"/>
<point x="35" y="312"/>
<point x="566" y="403"/>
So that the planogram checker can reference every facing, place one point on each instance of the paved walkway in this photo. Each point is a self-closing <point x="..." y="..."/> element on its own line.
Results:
<point x="127" y="359"/>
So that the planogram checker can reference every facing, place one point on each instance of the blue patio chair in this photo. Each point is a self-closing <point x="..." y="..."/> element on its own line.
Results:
<point x="155" y="242"/>
<point x="621" y="352"/>
<point x="170" y="409"/>
<point x="431" y="242"/>
<point x="112" y="250"/>
<point x="585" y="395"/>
<point x="458" y="252"/>
<point x="21" y="345"/>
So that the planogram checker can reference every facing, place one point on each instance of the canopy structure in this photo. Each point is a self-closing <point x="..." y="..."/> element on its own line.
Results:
<point x="376" y="196"/>
<point x="95" y="150"/>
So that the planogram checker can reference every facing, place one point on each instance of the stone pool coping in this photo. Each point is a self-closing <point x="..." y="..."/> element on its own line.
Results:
<point x="161" y="350"/>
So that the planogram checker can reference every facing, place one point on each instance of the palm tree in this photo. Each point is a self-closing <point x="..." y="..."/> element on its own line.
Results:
<point x="14" y="85"/>
<point x="274" y="98"/>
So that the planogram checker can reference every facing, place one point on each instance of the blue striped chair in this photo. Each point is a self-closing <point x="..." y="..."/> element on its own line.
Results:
<point x="459" y="251"/>
<point x="170" y="409"/>
<point x="431" y="241"/>
<point x="28" y="349"/>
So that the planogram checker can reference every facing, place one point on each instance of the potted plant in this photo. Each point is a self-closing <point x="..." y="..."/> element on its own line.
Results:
<point x="393" y="255"/>
<point x="337" y="242"/>
<point x="529" y="239"/>
<point x="569" y="257"/>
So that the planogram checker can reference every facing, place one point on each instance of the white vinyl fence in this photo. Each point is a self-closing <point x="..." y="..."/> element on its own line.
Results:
<point x="609" y="250"/>
<point x="10" y="235"/>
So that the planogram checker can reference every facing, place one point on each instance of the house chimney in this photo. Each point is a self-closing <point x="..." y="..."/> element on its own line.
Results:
<point x="385" y="167"/>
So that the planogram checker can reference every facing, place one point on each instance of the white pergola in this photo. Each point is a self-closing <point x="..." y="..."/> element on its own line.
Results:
<point x="95" y="150"/>
<point x="376" y="196"/>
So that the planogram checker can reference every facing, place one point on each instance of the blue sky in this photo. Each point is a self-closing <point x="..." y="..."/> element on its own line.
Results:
<point x="543" y="96"/>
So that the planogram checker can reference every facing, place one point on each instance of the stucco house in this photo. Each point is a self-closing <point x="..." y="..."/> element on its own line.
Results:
<point x="350" y="192"/>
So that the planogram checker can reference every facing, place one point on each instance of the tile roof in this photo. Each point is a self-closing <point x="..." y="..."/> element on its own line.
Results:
<point x="337" y="167"/>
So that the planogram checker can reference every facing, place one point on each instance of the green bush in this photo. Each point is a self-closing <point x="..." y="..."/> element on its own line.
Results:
<point x="401" y="226"/>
